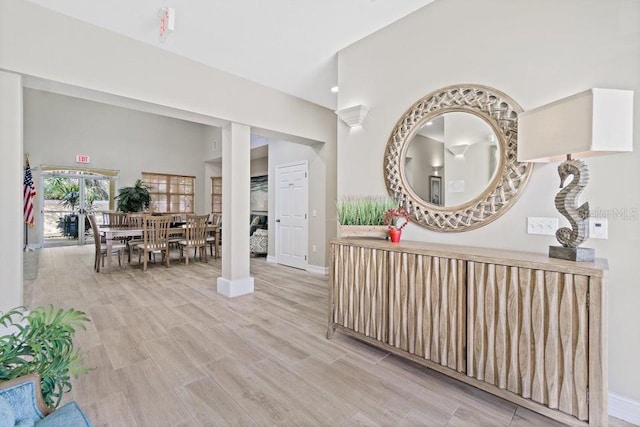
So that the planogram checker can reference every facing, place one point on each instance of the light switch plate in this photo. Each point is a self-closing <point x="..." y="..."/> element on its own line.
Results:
<point x="598" y="228"/>
<point x="544" y="226"/>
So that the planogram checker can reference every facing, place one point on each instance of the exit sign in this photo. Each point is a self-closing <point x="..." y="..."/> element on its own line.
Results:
<point x="81" y="158"/>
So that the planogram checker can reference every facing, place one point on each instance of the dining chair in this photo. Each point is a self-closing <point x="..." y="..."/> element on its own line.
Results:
<point x="134" y="220"/>
<point x="101" y="251"/>
<point x="155" y="239"/>
<point x="195" y="237"/>
<point x="214" y="240"/>
<point x="115" y="219"/>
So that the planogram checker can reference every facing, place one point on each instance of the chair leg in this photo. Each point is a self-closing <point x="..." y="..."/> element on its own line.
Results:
<point x="144" y="265"/>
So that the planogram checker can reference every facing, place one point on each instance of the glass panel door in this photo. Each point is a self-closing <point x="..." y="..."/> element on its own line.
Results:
<point x="60" y="209"/>
<point x="96" y="201"/>
<point x="68" y="197"/>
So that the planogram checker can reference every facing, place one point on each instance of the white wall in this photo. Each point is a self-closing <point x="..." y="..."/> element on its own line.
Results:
<point x="422" y="153"/>
<point x="11" y="176"/>
<point x="536" y="52"/>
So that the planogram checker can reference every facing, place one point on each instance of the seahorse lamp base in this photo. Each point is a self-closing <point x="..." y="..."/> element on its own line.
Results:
<point x="572" y="254"/>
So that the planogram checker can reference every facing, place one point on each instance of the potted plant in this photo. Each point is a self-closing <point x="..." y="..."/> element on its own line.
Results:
<point x="134" y="199"/>
<point x="396" y="219"/>
<point x="41" y="341"/>
<point x="363" y="216"/>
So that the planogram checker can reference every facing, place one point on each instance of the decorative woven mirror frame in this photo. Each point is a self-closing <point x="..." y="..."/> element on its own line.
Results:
<point x="501" y="113"/>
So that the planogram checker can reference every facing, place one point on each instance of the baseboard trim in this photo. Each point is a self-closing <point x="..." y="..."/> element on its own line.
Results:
<point x="271" y="258"/>
<point x="236" y="287"/>
<point x="318" y="270"/>
<point x="624" y="408"/>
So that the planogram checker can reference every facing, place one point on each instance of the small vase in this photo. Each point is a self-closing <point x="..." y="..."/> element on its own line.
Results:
<point x="394" y="235"/>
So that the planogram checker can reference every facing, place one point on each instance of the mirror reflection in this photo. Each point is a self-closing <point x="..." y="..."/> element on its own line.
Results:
<point x="452" y="159"/>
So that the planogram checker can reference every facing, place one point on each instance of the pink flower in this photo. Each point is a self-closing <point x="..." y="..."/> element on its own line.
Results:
<point x="397" y="218"/>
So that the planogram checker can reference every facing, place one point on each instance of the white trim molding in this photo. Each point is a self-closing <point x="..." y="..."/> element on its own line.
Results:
<point x="235" y="287"/>
<point x="624" y="408"/>
<point x="353" y="116"/>
<point x="316" y="269"/>
<point x="272" y="259"/>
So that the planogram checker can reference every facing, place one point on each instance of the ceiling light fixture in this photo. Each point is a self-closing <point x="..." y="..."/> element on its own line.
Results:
<point x="335" y="89"/>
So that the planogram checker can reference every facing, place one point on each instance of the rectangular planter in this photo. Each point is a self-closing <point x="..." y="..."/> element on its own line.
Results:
<point x="379" y="231"/>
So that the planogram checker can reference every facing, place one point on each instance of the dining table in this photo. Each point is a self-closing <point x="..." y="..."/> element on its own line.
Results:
<point x="112" y="232"/>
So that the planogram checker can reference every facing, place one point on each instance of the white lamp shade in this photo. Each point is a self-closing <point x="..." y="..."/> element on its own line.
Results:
<point x="591" y="123"/>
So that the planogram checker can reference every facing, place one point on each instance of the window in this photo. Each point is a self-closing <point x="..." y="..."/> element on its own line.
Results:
<point x="170" y="193"/>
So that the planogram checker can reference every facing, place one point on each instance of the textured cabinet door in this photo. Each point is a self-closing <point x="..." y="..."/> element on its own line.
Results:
<point x="361" y="290"/>
<point x="528" y="333"/>
<point x="415" y="303"/>
<point x="427" y="307"/>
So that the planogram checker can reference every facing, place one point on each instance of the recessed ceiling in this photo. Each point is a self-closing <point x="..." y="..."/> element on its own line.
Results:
<point x="289" y="45"/>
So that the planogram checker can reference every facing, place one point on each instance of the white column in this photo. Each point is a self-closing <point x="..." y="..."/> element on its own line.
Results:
<point x="236" y="174"/>
<point x="11" y="177"/>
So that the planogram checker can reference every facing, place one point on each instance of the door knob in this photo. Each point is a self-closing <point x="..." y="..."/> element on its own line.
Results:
<point x="277" y="220"/>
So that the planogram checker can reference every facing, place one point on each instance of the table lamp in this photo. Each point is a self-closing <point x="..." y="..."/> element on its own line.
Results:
<point x="591" y="123"/>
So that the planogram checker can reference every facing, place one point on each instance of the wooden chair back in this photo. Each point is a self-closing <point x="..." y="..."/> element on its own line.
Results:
<point x="135" y="220"/>
<point x="155" y="232"/>
<point x="96" y="232"/>
<point x="216" y="219"/>
<point x="196" y="232"/>
<point x="115" y="219"/>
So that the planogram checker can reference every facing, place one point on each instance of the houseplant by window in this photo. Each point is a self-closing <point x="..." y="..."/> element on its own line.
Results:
<point x="133" y="199"/>
<point x="363" y="216"/>
<point x="396" y="219"/>
<point x="41" y="341"/>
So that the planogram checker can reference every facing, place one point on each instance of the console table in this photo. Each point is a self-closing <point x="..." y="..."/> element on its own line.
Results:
<point x="525" y="327"/>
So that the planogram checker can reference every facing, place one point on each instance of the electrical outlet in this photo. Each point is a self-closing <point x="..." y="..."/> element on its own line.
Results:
<point x="544" y="226"/>
<point x="313" y="248"/>
<point x="598" y="228"/>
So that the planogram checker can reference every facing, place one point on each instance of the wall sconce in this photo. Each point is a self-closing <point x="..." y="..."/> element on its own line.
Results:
<point x="458" y="150"/>
<point x="353" y="116"/>
<point x="595" y="122"/>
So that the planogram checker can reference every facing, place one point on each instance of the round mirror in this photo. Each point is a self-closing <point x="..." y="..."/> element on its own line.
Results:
<point x="451" y="159"/>
<point x="459" y="149"/>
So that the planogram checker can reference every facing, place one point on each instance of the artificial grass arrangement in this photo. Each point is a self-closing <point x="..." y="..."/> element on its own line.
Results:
<point x="364" y="210"/>
<point x="42" y="342"/>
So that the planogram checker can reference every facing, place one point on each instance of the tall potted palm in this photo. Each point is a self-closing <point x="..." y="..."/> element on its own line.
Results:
<point x="133" y="199"/>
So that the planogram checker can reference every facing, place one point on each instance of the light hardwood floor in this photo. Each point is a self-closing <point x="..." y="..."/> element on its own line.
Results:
<point x="167" y="350"/>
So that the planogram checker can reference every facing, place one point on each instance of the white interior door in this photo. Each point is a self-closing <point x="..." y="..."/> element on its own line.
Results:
<point x="291" y="214"/>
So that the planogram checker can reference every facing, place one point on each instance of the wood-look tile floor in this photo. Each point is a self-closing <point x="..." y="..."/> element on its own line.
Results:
<point x="167" y="350"/>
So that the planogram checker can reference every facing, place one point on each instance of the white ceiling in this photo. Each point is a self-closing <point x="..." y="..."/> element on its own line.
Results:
<point x="289" y="45"/>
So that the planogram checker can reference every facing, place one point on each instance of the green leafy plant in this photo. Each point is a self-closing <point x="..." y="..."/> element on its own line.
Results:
<point x="42" y="342"/>
<point x="134" y="199"/>
<point x="364" y="210"/>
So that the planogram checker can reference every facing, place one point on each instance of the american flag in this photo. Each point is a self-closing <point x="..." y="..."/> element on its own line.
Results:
<point x="29" y="194"/>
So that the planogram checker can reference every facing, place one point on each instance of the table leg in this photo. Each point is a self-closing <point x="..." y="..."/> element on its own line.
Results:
<point x="108" y="254"/>
<point x="217" y="244"/>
